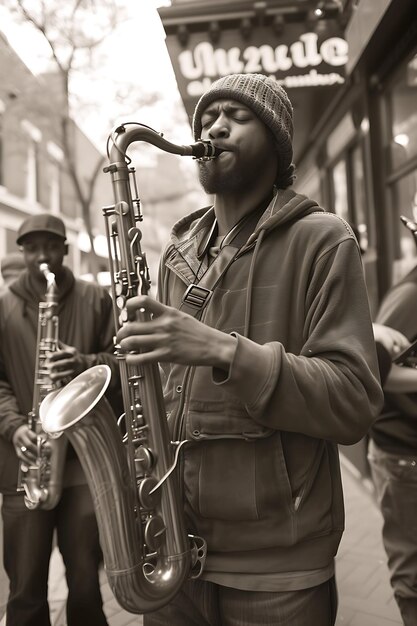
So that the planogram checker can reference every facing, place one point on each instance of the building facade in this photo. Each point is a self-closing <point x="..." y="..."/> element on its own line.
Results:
<point x="34" y="176"/>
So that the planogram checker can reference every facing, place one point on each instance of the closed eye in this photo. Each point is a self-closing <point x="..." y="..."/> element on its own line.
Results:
<point x="232" y="111"/>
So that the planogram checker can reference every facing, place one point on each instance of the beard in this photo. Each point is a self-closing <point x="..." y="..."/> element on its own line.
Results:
<point x="216" y="179"/>
<point x="229" y="178"/>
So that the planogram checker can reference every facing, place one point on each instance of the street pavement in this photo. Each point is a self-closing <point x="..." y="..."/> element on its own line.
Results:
<point x="365" y="595"/>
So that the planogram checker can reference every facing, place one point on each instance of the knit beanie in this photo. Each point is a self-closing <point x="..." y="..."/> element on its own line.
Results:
<point x="268" y="100"/>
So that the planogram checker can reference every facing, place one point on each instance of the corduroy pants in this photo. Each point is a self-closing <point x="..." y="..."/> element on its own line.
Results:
<point x="202" y="603"/>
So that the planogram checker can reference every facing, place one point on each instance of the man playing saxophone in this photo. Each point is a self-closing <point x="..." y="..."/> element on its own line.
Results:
<point x="86" y="330"/>
<point x="270" y="363"/>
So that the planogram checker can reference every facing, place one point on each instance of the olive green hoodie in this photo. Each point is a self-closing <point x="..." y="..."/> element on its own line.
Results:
<point x="261" y="471"/>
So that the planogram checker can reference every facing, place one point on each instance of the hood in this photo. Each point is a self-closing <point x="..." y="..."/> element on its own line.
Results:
<point x="190" y="235"/>
<point x="286" y="206"/>
<point x="185" y="254"/>
<point x="32" y="292"/>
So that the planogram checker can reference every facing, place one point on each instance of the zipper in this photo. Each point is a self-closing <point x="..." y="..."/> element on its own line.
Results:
<point x="178" y="429"/>
<point x="178" y="426"/>
<point x="310" y="474"/>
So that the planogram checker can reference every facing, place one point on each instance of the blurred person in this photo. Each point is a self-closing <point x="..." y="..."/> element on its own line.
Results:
<point x="11" y="266"/>
<point x="393" y="452"/>
<point x="275" y="369"/>
<point x="86" y="330"/>
<point x="390" y="343"/>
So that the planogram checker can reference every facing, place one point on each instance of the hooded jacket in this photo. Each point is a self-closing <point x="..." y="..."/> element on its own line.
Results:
<point x="395" y="429"/>
<point x="261" y="472"/>
<point x="85" y="321"/>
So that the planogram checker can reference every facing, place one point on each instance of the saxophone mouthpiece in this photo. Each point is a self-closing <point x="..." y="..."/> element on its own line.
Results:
<point x="49" y="276"/>
<point x="204" y="150"/>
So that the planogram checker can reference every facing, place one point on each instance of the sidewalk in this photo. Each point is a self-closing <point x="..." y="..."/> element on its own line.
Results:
<point x="365" y="596"/>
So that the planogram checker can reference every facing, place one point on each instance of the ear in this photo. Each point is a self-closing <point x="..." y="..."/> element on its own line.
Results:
<point x="65" y="249"/>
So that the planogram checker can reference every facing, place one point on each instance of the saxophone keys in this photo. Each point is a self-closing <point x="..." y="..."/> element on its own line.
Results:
<point x="147" y="499"/>
<point x="144" y="460"/>
<point x="155" y="533"/>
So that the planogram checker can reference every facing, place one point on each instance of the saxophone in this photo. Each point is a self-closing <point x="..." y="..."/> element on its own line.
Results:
<point x="138" y="504"/>
<point x="42" y="481"/>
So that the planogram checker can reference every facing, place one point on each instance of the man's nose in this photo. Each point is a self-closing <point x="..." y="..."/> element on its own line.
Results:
<point x="220" y="127"/>
<point x="42" y="255"/>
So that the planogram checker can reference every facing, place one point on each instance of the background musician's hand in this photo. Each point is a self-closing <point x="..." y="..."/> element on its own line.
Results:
<point x="172" y="336"/>
<point x="392" y="340"/>
<point x="65" y="363"/>
<point x="24" y="441"/>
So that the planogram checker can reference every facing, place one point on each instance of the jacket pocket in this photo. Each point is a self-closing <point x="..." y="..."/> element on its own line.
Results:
<point x="319" y="503"/>
<point x="240" y="480"/>
<point x="229" y="423"/>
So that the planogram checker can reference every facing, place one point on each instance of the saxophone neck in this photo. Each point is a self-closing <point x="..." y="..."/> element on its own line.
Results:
<point x="125" y="134"/>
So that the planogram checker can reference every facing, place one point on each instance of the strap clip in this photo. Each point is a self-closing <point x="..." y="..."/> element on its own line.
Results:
<point x="197" y="296"/>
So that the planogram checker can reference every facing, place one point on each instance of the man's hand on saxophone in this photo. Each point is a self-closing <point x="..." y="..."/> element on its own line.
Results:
<point x="172" y="336"/>
<point x="24" y="441"/>
<point x="65" y="363"/>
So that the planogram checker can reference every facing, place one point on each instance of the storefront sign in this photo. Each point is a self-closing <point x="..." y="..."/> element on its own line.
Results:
<point x="296" y="59"/>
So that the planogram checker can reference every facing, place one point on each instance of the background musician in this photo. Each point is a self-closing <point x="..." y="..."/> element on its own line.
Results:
<point x="393" y="452"/>
<point x="280" y="367"/>
<point x="86" y="332"/>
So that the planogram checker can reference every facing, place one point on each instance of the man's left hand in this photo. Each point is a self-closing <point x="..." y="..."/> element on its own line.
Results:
<point x="65" y="363"/>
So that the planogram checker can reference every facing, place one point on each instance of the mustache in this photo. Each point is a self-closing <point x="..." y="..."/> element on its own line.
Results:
<point x="223" y="149"/>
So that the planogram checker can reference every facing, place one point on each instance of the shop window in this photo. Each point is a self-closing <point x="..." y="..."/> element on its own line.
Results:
<point x="339" y="137"/>
<point x="56" y="157"/>
<point x="340" y="190"/>
<point x="404" y="202"/>
<point x="32" y="180"/>
<point x="402" y="103"/>
<point x="54" y="187"/>
<point x="348" y="189"/>
<point x="32" y="161"/>
<point x="359" y="197"/>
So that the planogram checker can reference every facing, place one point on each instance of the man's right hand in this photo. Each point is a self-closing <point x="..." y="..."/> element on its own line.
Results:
<point x="24" y="441"/>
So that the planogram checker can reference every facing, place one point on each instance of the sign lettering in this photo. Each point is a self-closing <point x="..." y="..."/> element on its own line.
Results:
<point x="206" y="61"/>
<point x="296" y="59"/>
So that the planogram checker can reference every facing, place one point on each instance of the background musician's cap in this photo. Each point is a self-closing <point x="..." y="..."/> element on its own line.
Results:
<point x="43" y="223"/>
